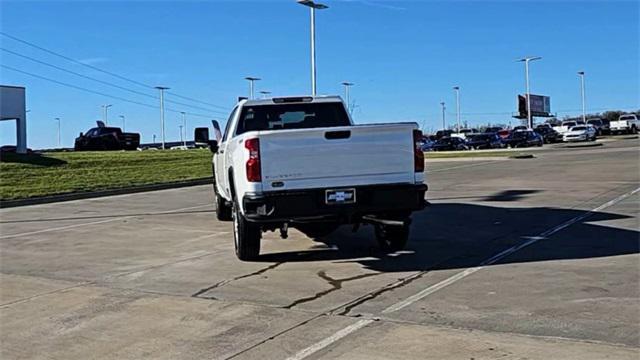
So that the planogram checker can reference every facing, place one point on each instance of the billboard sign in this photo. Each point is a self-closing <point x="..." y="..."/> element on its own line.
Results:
<point x="540" y="105"/>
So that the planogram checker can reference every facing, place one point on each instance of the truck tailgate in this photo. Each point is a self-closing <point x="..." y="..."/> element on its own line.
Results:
<point x="337" y="156"/>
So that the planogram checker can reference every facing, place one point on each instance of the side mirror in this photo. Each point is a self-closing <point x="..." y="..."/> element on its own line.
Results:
<point x="213" y="146"/>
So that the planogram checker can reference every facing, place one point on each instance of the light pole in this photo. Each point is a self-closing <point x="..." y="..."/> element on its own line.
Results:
<point x="584" y="111"/>
<point x="313" y="6"/>
<point x="154" y="139"/>
<point x="104" y="112"/>
<point x="181" y="137"/>
<point x="184" y="123"/>
<point x="123" y="124"/>
<point x="251" y="80"/>
<point x="265" y="93"/>
<point x="347" y="85"/>
<point x="58" y="120"/>
<point x="526" y="61"/>
<point x="444" y="125"/>
<point x="162" y="89"/>
<point x="457" y="90"/>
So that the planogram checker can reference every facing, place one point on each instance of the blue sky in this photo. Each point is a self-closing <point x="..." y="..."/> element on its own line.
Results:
<point x="404" y="57"/>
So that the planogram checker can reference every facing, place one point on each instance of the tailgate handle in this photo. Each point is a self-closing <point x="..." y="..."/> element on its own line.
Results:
<point x="333" y="135"/>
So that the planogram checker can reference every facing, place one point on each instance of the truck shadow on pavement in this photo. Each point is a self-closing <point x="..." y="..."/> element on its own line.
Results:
<point x="455" y="235"/>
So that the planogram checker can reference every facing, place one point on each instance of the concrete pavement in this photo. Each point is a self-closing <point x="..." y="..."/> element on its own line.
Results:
<point x="153" y="275"/>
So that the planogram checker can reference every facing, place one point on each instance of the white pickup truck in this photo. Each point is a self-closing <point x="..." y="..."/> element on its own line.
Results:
<point x="628" y="124"/>
<point x="301" y="162"/>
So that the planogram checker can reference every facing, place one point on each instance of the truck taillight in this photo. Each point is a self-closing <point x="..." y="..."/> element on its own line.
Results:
<point x="253" y="164"/>
<point x="418" y="155"/>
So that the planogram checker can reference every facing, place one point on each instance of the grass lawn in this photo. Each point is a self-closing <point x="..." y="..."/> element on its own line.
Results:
<point x="471" y="153"/>
<point x="24" y="176"/>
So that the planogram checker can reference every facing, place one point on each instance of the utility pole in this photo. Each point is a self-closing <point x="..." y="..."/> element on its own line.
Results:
<point x="59" y="142"/>
<point x="526" y="61"/>
<point x="457" y="90"/>
<point x="104" y="113"/>
<point x="347" y="85"/>
<point x="251" y="81"/>
<point x="184" y="123"/>
<point x="162" y="89"/>
<point x="584" y="109"/>
<point x="313" y="6"/>
<point x="123" y="124"/>
<point x="444" y="125"/>
<point x="154" y="139"/>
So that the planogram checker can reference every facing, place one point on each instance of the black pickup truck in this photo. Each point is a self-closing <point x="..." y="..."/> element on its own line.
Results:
<point x="106" y="138"/>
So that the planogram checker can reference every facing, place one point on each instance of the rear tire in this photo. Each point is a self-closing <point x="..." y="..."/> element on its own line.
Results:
<point x="246" y="236"/>
<point x="392" y="238"/>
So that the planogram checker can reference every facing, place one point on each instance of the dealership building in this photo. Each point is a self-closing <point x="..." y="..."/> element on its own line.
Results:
<point x="13" y="107"/>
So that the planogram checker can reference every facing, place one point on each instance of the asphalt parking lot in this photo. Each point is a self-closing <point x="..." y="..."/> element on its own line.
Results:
<point x="514" y="259"/>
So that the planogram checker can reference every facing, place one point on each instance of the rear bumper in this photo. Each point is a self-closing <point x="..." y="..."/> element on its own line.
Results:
<point x="309" y="204"/>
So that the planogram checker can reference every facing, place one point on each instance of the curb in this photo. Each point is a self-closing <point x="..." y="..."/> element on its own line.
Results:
<point x="102" y="193"/>
<point x="577" y="146"/>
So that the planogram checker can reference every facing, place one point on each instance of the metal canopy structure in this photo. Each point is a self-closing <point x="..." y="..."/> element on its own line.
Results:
<point x="13" y="107"/>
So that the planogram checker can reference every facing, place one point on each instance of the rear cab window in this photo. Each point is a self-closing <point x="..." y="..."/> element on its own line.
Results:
<point x="292" y="116"/>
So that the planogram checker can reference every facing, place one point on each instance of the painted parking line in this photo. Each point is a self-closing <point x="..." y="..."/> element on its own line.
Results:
<point x="59" y="228"/>
<point x="330" y="340"/>
<point x="461" y="275"/>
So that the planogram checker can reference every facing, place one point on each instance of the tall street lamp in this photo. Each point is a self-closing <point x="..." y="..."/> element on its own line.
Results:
<point x="251" y="81"/>
<point x="444" y="125"/>
<point x="347" y="85"/>
<point x="162" y="89"/>
<point x="457" y="90"/>
<point x="584" y="109"/>
<point x="313" y="6"/>
<point x="526" y="61"/>
<point x="104" y="113"/>
<point x="123" y="124"/>
<point x="58" y="120"/>
<point x="265" y="93"/>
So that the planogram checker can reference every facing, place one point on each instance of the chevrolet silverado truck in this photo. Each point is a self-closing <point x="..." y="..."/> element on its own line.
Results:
<point x="300" y="162"/>
<point x="106" y="138"/>
<point x="626" y="124"/>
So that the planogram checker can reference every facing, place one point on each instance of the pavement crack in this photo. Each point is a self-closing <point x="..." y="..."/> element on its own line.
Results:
<point x="336" y="284"/>
<point x="226" y="281"/>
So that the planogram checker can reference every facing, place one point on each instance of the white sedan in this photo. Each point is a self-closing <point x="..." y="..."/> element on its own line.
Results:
<point x="580" y="133"/>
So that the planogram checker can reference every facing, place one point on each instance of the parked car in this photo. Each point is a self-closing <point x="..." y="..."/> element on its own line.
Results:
<point x="300" y="162"/>
<point x="106" y="138"/>
<point x="492" y="130"/>
<point x="566" y="125"/>
<point x="626" y="124"/>
<point x="523" y="138"/>
<point x="450" y="144"/>
<point x="443" y="133"/>
<point x="548" y="134"/>
<point x="484" y="141"/>
<point x="519" y="128"/>
<point x="504" y="134"/>
<point x="426" y="144"/>
<point x="600" y="126"/>
<point x="464" y="133"/>
<point x="580" y="133"/>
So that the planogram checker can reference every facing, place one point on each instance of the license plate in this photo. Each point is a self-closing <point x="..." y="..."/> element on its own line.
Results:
<point x="340" y="196"/>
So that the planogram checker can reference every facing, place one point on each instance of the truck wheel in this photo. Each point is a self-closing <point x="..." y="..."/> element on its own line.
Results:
<point x="246" y="237"/>
<point x="392" y="238"/>
<point x="634" y="129"/>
